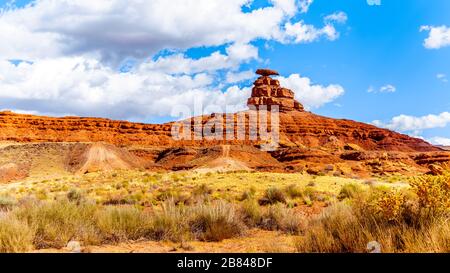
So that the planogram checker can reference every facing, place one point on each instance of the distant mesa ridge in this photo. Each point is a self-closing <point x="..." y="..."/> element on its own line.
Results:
<point x="307" y="143"/>
<point x="298" y="128"/>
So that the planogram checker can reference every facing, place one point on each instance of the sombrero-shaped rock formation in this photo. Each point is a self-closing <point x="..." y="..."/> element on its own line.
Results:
<point x="269" y="92"/>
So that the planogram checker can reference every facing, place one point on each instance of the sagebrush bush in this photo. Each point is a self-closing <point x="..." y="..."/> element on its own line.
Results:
<point x="15" y="236"/>
<point x="272" y="196"/>
<point x="248" y="194"/>
<point x="349" y="191"/>
<point x="7" y="202"/>
<point x="433" y="192"/>
<point x="169" y="223"/>
<point x="118" y="224"/>
<point x="56" y="223"/>
<point x="278" y="217"/>
<point x="202" y="190"/>
<point x="175" y="196"/>
<point x="75" y="195"/>
<point x="401" y="221"/>
<point x="252" y="213"/>
<point x="294" y="191"/>
<point x="215" y="222"/>
<point x="335" y="231"/>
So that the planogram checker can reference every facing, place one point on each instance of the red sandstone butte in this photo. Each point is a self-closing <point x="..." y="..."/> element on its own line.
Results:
<point x="267" y="91"/>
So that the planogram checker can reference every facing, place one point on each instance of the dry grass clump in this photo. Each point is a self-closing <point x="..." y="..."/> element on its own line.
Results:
<point x="274" y="217"/>
<point x="15" y="236"/>
<point x="118" y="224"/>
<point x="215" y="222"/>
<point x="75" y="195"/>
<point x="202" y="190"/>
<point x="349" y="191"/>
<point x="294" y="191"/>
<point x="336" y="230"/>
<point x="252" y="213"/>
<point x="56" y="223"/>
<point x="175" y="196"/>
<point x="169" y="223"/>
<point x="272" y="196"/>
<point x="278" y="217"/>
<point x="401" y="221"/>
<point x="248" y="194"/>
<point x="7" y="202"/>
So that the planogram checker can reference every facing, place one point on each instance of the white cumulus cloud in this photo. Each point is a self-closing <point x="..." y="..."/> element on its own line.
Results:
<point x="304" y="33"/>
<point x="71" y="52"/>
<point x="87" y="87"/>
<point x="339" y="17"/>
<point x="438" y="37"/>
<point x="388" y="88"/>
<point x="311" y="95"/>
<point x="178" y="63"/>
<point x="405" y="123"/>
<point x="440" y="141"/>
<point x="115" y="29"/>
<point x="234" y="77"/>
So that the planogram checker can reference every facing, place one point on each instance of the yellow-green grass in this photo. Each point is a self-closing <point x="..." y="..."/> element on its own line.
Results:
<point x="140" y="187"/>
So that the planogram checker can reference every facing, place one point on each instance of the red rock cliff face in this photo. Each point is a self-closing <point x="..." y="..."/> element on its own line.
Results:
<point x="29" y="128"/>
<point x="304" y="128"/>
<point x="296" y="129"/>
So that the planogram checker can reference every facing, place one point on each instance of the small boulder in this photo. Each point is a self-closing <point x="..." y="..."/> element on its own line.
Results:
<point x="74" y="247"/>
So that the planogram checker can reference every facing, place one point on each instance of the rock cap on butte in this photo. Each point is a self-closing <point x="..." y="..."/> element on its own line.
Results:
<point x="267" y="72"/>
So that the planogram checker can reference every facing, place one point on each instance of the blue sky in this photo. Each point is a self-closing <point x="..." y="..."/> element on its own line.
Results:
<point x="376" y="66"/>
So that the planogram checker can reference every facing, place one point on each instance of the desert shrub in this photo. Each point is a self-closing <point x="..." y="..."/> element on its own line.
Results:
<point x="56" y="223"/>
<point x="174" y="196"/>
<point x="272" y="196"/>
<point x="122" y="223"/>
<point x="350" y="191"/>
<point x="293" y="191"/>
<point x="389" y="206"/>
<point x="335" y="231"/>
<point x="202" y="190"/>
<point x="311" y="193"/>
<point x="178" y="177"/>
<point x="169" y="223"/>
<point x="251" y="213"/>
<point x="248" y="194"/>
<point x="7" y="202"/>
<point x="278" y="217"/>
<point x="75" y="195"/>
<point x="15" y="236"/>
<point x="215" y="222"/>
<point x="433" y="193"/>
<point x="400" y="220"/>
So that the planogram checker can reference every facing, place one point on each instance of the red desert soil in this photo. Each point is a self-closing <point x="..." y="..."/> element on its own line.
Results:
<point x="105" y="157"/>
<point x="11" y="171"/>
<point x="254" y="241"/>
